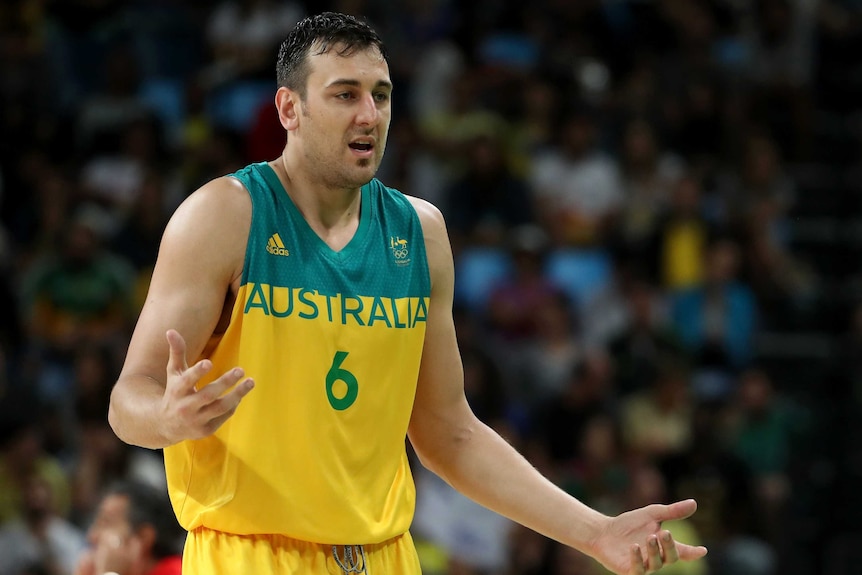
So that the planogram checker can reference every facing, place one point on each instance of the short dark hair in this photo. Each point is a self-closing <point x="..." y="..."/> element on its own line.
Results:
<point x="151" y="506"/>
<point x="325" y="30"/>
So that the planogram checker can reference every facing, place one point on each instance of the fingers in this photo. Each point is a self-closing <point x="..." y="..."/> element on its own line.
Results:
<point x="654" y="558"/>
<point x="177" y="359"/>
<point x="225" y="406"/>
<point x="672" y="550"/>
<point x="668" y="545"/>
<point x="195" y="413"/>
<point x="178" y="364"/>
<point x="678" y="510"/>
<point x="690" y="552"/>
<point x="216" y="388"/>
<point x="663" y="550"/>
<point x="637" y="561"/>
<point x="221" y="399"/>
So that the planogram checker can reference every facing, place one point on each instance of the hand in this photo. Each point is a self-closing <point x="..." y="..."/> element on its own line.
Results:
<point x="191" y="413"/>
<point x="86" y="564"/>
<point x="115" y="554"/>
<point x="633" y="543"/>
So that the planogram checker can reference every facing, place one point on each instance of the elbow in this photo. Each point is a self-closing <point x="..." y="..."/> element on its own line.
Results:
<point x="440" y="450"/>
<point x="426" y="457"/>
<point x="114" y="418"/>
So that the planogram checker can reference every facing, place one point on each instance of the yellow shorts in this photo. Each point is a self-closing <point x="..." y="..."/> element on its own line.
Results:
<point x="209" y="552"/>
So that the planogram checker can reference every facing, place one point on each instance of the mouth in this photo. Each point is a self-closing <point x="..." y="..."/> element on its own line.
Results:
<point x="363" y="147"/>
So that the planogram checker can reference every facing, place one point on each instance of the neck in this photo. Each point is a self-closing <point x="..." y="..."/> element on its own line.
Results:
<point x="325" y="208"/>
<point x="332" y="213"/>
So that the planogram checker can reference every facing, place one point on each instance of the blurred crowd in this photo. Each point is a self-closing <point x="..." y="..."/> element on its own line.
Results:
<point x="656" y="215"/>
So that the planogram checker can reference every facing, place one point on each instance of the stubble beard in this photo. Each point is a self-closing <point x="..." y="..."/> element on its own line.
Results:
<point x="334" y="173"/>
<point x="343" y="175"/>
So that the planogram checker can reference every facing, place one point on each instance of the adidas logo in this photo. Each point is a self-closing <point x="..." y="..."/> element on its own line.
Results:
<point x="275" y="246"/>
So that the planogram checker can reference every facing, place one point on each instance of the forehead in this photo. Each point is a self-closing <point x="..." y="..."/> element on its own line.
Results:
<point x="114" y="507"/>
<point x="364" y="64"/>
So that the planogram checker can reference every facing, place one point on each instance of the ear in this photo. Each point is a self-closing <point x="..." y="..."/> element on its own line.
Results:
<point x="287" y="102"/>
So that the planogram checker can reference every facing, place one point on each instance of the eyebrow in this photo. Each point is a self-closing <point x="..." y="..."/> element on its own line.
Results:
<point x="358" y="84"/>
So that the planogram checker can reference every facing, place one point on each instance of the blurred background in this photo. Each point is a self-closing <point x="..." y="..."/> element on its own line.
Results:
<point x="657" y="221"/>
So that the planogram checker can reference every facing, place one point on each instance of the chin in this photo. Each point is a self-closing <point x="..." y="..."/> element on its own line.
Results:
<point x="367" y="170"/>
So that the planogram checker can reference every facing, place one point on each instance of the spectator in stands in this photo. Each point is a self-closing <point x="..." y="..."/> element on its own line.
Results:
<point x="766" y="430"/>
<point x="113" y="179"/>
<point x="40" y="536"/>
<point x="547" y="359"/>
<point x="23" y="457"/>
<point x="243" y="34"/>
<point x="101" y="459"/>
<point x="513" y="303"/>
<point x="649" y="174"/>
<point x="759" y="187"/>
<point x="48" y="196"/>
<point x="579" y="189"/>
<point x="782" y="41"/>
<point x="484" y="383"/>
<point x="134" y="533"/>
<point x="535" y="128"/>
<point x="676" y="250"/>
<point x="489" y="198"/>
<point x="108" y="109"/>
<point x="783" y="283"/>
<point x="598" y="475"/>
<point x="657" y="421"/>
<point x="727" y="518"/>
<point x="558" y="423"/>
<point x="717" y="319"/>
<point x="137" y="241"/>
<point x="77" y="292"/>
<point x="646" y="338"/>
<point x="760" y="199"/>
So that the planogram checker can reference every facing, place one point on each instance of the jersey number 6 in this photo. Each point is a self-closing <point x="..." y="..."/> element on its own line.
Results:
<point x="336" y="373"/>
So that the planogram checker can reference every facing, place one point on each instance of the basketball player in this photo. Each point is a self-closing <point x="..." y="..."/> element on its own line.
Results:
<point x="316" y="305"/>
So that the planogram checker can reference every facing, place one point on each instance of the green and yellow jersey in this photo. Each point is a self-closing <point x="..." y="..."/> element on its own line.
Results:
<point x="333" y="341"/>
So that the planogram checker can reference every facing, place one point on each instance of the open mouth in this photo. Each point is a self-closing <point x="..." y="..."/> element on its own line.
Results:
<point x="361" y="146"/>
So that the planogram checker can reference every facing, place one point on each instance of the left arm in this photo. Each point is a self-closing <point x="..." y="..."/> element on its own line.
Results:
<point x="475" y="460"/>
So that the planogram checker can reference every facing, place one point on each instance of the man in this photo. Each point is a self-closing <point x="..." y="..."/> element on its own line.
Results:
<point x="40" y="538"/>
<point x="331" y="295"/>
<point x="134" y="533"/>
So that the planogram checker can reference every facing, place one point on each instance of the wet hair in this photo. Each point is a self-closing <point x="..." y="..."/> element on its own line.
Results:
<point x="317" y="35"/>
<point x="151" y="506"/>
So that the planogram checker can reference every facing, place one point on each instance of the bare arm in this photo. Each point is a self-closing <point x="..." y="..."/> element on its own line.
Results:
<point x="154" y="402"/>
<point x="476" y="461"/>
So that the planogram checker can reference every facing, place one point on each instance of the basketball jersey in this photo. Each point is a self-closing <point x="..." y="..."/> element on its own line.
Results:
<point x="333" y="341"/>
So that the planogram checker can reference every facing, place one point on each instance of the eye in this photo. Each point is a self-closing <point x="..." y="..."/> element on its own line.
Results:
<point x="344" y="95"/>
<point x="381" y="96"/>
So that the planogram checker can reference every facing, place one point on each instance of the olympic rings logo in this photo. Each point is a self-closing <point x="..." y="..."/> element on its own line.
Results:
<point x="400" y="253"/>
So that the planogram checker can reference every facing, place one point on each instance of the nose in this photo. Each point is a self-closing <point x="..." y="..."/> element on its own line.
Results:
<point x="367" y="114"/>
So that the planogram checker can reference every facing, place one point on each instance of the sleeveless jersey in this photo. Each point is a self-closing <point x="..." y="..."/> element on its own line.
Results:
<point x="333" y="341"/>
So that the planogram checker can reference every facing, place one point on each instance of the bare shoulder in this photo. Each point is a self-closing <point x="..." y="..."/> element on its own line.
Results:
<point x="210" y="227"/>
<point x="437" y="246"/>
<point x="221" y="201"/>
<point x="433" y="223"/>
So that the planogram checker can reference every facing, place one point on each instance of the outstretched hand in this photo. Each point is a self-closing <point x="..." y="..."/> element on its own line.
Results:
<point x="192" y="413"/>
<point x="633" y="543"/>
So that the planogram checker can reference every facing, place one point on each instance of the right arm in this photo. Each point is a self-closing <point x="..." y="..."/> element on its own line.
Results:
<point x="155" y="402"/>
